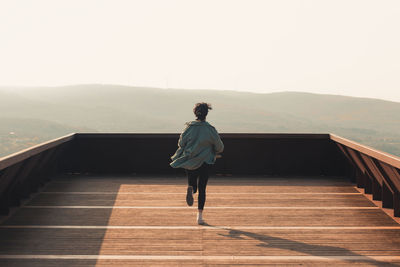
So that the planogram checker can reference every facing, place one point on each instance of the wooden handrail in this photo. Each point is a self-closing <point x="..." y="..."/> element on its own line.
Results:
<point x="376" y="171"/>
<point x="223" y="135"/>
<point x="379" y="155"/>
<point x="33" y="150"/>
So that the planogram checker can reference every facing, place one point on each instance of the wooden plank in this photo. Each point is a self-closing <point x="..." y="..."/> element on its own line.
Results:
<point x="395" y="179"/>
<point x="370" y="165"/>
<point x="146" y="227"/>
<point x="98" y="262"/>
<point x="100" y="241"/>
<point x="40" y="172"/>
<point x="215" y="200"/>
<point x="6" y="200"/>
<point x="180" y="216"/>
<point x="366" y="262"/>
<point x="357" y="233"/>
<point x="162" y="188"/>
<point x="20" y="186"/>
<point x="238" y="180"/>
<point x="356" y="171"/>
<point x="202" y="241"/>
<point x="392" y="174"/>
<point x="360" y="178"/>
<point x="24" y="181"/>
<point x="379" y="177"/>
<point x="387" y="197"/>
<point x="8" y="175"/>
<point x="368" y="178"/>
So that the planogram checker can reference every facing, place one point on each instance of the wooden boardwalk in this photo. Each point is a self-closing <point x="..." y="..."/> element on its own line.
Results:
<point x="252" y="221"/>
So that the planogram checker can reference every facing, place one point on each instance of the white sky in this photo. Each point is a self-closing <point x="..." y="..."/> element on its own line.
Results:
<point x="339" y="47"/>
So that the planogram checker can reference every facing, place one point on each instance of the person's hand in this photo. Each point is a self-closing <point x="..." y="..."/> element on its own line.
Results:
<point x="218" y="156"/>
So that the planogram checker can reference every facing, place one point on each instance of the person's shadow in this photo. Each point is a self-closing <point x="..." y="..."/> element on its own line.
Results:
<point x="314" y="250"/>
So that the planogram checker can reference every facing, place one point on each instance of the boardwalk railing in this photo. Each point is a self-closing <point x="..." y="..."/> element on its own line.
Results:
<point x="270" y="154"/>
<point x="23" y="172"/>
<point x="375" y="171"/>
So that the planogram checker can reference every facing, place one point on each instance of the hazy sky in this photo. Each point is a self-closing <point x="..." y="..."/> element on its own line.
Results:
<point x="339" y="46"/>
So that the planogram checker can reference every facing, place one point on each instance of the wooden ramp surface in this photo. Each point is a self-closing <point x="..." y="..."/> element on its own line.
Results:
<point x="251" y="221"/>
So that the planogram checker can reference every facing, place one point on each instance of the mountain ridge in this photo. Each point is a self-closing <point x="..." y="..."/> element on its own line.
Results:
<point x="96" y="85"/>
<point x="113" y="108"/>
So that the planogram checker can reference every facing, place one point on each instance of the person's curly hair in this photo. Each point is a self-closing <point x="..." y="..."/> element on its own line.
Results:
<point x="200" y="110"/>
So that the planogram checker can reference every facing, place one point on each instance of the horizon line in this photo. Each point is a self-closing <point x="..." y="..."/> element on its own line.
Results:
<point x="192" y="89"/>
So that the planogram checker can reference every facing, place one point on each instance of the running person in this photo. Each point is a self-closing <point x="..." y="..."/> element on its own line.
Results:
<point x="198" y="146"/>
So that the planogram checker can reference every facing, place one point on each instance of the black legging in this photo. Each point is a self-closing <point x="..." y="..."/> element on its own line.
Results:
<point x="202" y="173"/>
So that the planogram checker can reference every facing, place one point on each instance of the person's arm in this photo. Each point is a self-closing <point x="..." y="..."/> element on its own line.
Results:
<point x="218" y="144"/>
<point x="181" y="144"/>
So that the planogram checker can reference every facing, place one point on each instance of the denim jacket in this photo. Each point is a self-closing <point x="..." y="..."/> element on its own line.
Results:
<point x="199" y="142"/>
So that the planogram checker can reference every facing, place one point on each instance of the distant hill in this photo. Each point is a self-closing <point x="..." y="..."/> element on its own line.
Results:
<point x="19" y="133"/>
<point x="53" y="111"/>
